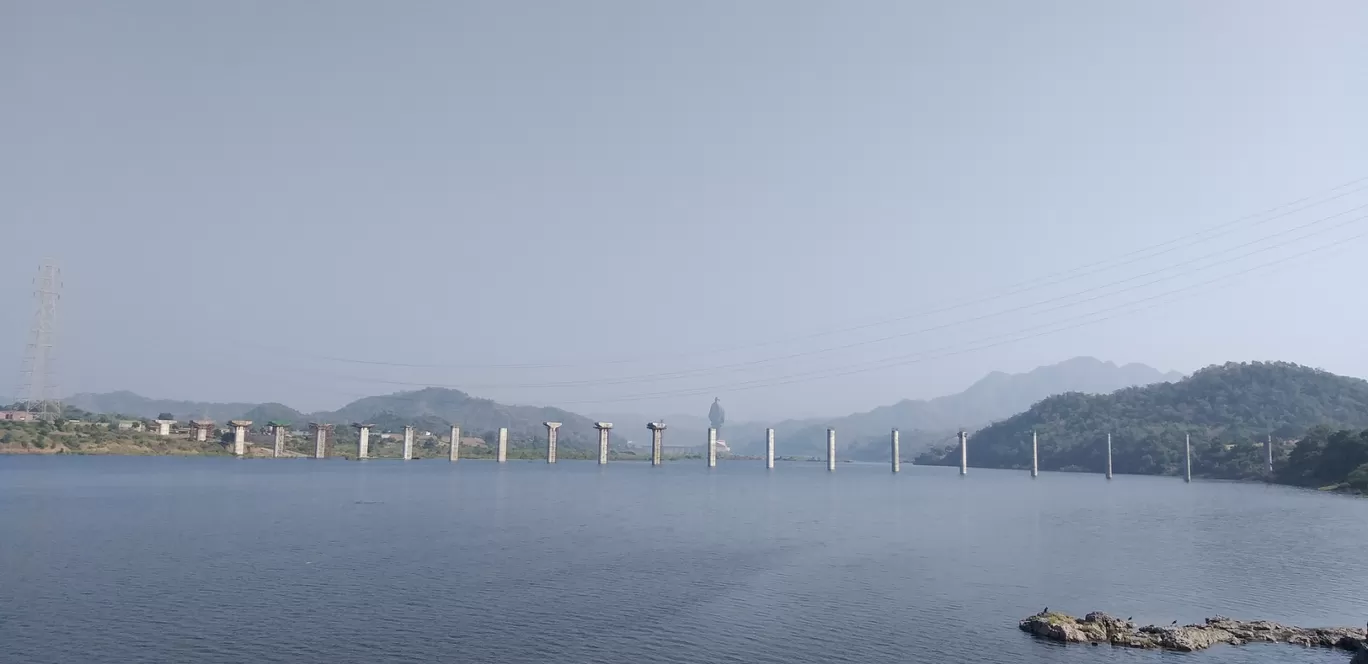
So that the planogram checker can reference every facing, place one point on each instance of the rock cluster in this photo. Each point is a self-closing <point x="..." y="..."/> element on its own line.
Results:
<point x="1099" y="627"/>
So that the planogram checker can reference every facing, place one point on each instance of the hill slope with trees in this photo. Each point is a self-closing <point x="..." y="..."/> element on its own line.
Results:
<point x="1229" y="410"/>
<point x="995" y="396"/>
<point x="431" y="408"/>
<point x="474" y="414"/>
<point x="1324" y="458"/>
<point x="130" y="404"/>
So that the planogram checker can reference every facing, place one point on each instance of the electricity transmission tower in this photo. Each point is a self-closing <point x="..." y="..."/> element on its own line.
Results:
<point x="37" y="388"/>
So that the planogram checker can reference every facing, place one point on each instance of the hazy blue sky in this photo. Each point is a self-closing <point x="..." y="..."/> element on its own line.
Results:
<point x="641" y="193"/>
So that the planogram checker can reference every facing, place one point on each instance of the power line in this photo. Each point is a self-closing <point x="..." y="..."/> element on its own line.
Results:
<point x="1202" y="262"/>
<point x="1345" y="189"/>
<point x="919" y="357"/>
<point x="984" y="343"/>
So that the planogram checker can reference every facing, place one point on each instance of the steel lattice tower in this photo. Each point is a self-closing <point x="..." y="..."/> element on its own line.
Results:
<point x="37" y="387"/>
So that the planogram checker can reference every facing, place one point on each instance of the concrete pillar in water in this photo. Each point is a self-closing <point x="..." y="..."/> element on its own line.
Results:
<point x="240" y="436"/>
<point x="454" y="454"/>
<point x="769" y="448"/>
<point x="603" y="429"/>
<point x="711" y="452"/>
<point x="551" y="431"/>
<point x="320" y="439"/>
<point x="1035" y="455"/>
<point x="831" y="449"/>
<point x="964" y="453"/>
<point x="362" y="440"/>
<point x="1109" y="458"/>
<point x="897" y="452"/>
<point x="1268" y="451"/>
<point x="408" y="442"/>
<point x="280" y="432"/>
<point x="657" y="434"/>
<point x="1187" y="446"/>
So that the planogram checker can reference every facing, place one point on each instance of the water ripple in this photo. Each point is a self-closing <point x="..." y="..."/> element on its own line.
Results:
<point x="218" y="561"/>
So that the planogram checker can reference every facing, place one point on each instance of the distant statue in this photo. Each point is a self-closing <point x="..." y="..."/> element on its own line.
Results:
<point x="716" y="415"/>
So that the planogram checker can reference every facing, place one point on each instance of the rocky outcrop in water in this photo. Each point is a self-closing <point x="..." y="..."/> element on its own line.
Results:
<point x="1101" y="628"/>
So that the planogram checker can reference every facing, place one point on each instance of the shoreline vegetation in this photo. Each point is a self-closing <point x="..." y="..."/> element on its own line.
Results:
<point x="89" y="434"/>
<point x="90" y="438"/>
<point x="1232" y="413"/>
<point x="1323" y="459"/>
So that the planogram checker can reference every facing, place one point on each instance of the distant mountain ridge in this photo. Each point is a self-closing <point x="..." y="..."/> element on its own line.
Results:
<point x="1228" y="411"/>
<point x="472" y="413"/>
<point x="993" y="397"/>
<point x="431" y="407"/>
<point x="123" y="402"/>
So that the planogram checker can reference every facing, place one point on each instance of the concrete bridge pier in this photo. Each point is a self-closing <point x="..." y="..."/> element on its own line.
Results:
<point x="1109" y="457"/>
<point x="552" y="431"/>
<point x="711" y="452"/>
<point x="603" y="429"/>
<point x="1187" y="446"/>
<point x="769" y="448"/>
<point x="321" y="432"/>
<point x="1035" y="455"/>
<point x="362" y="440"/>
<point x="1268" y="451"/>
<point x="164" y="427"/>
<point x="657" y="433"/>
<point x="240" y="436"/>
<point x="503" y="445"/>
<point x="831" y="449"/>
<point x="897" y="452"/>
<point x="964" y="453"/>
<point x="280" y="431"/>
<point x="454" y="454"/>
<point x="408" y="442"/>
<point x="202" y="429"/>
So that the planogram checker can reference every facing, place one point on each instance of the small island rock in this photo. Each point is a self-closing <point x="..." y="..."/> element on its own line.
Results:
<point x="1099" y="627"/>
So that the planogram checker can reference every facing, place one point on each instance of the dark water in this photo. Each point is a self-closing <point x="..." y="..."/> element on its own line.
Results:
<point x="220" y="560"/>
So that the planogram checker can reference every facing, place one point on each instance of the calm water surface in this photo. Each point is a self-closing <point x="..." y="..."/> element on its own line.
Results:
<point x="221" y="560"/>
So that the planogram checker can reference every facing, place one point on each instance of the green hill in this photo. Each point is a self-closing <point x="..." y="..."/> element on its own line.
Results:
<point x="995" y="396"/>
<point x="1328" y="459"/>
<point x="1229" y="410"/>
<point x="276" y="412"/>
<point x="135" y="405"/>
<point x="437" y="406"/>
<point x="430" y="409"/>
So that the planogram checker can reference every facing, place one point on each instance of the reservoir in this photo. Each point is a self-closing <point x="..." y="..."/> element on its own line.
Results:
<point x="217" y="560"/>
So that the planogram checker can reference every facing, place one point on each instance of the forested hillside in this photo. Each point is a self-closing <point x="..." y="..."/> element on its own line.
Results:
<point x="431" y="409"/>
<point x="997" y="395"/>
<point x="1327" y="458"/>
<point x="1229" y="410"/>
<point x="439" y="407"/>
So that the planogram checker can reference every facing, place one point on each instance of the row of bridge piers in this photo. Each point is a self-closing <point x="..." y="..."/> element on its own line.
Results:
<point x="657" y="429"/>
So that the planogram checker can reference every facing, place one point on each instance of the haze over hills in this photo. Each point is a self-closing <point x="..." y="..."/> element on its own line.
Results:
<point x="432" y="408"/>
<point x="692" y="430"/>
<point x="472" y="413"/>
<point x="124" y="402"/>
<point x="995" y="396"/>
<point x="1229" y="410"/>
